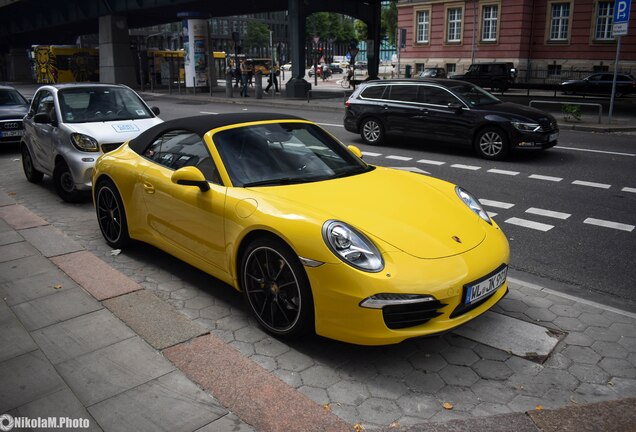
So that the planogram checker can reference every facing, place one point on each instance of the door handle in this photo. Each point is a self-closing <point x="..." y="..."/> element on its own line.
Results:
<point x="149" y="188"/>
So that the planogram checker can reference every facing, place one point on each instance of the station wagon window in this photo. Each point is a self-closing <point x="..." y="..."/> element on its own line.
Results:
<point x="436" y="96"/>
<point x="178" y="148"/>
<point x="373" y="92"/>
<point x="404" y="93"/>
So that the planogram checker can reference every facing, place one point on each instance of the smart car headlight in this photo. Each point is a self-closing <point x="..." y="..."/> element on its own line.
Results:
<point x="472" y="204"/>
<point x="84" y="142"/>
<point x="351" y="246"/>
<point x="527" y="127"/>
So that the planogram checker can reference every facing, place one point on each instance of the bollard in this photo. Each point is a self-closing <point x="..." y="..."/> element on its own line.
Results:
<point x="228" y="84"/>
<point x="258" y="78"/>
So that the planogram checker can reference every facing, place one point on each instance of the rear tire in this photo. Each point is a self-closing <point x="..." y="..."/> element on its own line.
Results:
<point x="65" y="184"/>
<point x="32" y="174"/>
<point x="372" y="131"/>
<point x="492" y="143"/>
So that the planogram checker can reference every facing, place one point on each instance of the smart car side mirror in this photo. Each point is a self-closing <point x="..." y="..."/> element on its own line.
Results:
<point x="190" y="176"/>
<point x="155" y="110"/>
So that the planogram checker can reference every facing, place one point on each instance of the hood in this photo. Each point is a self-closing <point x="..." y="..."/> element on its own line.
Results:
<point x="511" y="109"/>
<point x="113" y="131"/>
<point x="13" y="112"/>
<point x="414" y="213"/>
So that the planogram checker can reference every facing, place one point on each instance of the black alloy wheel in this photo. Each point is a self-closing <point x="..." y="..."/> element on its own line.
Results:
<point x="371" y="131"/>
<point x="111" y="215"/>
<point x="65" y="184"/>
<point x="32" y="174"/>
<point x="492" y="143"/>
<point x="276" y="288"/>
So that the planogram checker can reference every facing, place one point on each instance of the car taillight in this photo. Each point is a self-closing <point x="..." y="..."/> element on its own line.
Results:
<point x="347" y="103"/>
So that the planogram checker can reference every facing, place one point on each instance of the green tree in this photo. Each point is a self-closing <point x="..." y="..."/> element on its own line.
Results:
<point x="389" y="21"/>
<point x="257" y="36"/>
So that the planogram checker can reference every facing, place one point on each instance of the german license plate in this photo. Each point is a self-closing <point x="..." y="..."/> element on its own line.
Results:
<point x="11" y="133"/>
<point x="553" y="137"/>
<point x="479" y="290"/>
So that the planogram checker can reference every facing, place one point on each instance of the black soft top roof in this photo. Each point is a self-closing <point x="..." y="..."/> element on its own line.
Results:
<point x="201" y="125"/>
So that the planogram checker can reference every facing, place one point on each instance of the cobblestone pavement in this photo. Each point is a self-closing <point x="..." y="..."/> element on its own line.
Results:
<point x="405" y="384"/>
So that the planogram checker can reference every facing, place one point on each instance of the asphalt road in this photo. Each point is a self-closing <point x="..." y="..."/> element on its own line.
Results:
<point x="555" y="200"/>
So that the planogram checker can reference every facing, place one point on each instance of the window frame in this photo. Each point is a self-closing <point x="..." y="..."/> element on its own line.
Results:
<point x="482" y="22"/>
<point x="609" y="21"/>
<point x="416" y="25"/>
<point x="550" y="19"/>
<point x="447" y="11"/>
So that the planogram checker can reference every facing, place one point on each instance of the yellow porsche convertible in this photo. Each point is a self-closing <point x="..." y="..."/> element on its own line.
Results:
<point x="316" y="239"/>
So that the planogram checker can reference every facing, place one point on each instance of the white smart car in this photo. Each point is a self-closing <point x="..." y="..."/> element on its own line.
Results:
<point x="69" y="126"/>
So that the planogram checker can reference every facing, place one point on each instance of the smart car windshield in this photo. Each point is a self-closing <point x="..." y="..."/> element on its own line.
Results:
<point x="473" y="95"/>
<point x="284" y="153"/>
<point x="99" y="104"/>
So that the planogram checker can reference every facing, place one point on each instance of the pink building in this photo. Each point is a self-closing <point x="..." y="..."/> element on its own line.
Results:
<point x="550" y="38"/>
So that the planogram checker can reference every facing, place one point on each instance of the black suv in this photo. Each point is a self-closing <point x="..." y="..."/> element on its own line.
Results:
<point x="495" y="76"/>
<point x="445" y="110"/>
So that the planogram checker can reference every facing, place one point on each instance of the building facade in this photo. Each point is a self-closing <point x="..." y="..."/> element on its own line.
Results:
<point x="547" y="40"/>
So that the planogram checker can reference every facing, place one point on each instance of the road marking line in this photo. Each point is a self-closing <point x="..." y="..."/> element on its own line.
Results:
<point x="547" y="178"/>
<point x="529" y="224"/>
<point x="466" y="167"/>
<point x="371" y="154"/>
<point x="431" y="162"/>
<point x="400" y="158"/>
<point x="609" y="224"/>
<point x="598" y="151"/>
<point x="591" y="184"/>
<point x="504" y="172"/>
<point x="548" y="213"/>
<point x="492" y="214"/>
<point x="628" y="189"/>
<point x="208" y="112"/>
<point x="411" y="169"/>
<point x="330" y="124"/>
<point x="498" y="204"/>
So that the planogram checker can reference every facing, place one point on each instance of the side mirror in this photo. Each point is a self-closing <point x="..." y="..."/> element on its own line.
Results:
<point x="456" y="107"/>
<point x="42" y="118"/>
<point x="355" y="150"/>
<point x="155" y="110"/>
<point x="190" y="176"/>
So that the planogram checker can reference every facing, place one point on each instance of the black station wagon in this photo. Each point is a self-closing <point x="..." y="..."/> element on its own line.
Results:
<point x="450" y="111"/>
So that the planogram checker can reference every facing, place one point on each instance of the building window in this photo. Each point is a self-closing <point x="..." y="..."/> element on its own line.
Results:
<point x="604" y="19"/>
<point x="422" y="26"/>
<point x="454" y="27"/>
<point x="451" y="68"/>
<point x="554" y="70"/>
<point x="559" y="21"/>
<point x="490" y="15"/>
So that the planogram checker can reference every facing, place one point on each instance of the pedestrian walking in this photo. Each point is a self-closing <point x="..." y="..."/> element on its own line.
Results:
<point x="244" y="77"/>
<point x="273" y="78"/>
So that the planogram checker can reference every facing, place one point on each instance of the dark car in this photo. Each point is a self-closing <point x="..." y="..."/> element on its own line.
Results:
<point x="601" y="83"/>
<point x="433" y="72"/>
<point x="335" y="68"/>
<point x="449" y="111"/>
<point x="497" y="76"/>
<point x="13" y="108"/>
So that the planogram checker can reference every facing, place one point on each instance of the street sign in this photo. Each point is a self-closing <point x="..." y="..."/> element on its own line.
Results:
<point x="621" y="17"/>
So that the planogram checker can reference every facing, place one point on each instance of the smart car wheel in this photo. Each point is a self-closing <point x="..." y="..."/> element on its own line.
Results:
<point x="371" y="131"/>
<point x="111" y="215"/>
<point x="276" y="288"/>
<point x="492" y="143"/>
<point x="32" y="174"/>
<point x="65" y="184"/>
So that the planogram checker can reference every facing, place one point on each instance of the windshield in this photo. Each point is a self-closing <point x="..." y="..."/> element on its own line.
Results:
<point x="11" y="97"/>
<point x="474" y="96"/>
<point x="284" y="153"/>
<point x="98" y="104"/>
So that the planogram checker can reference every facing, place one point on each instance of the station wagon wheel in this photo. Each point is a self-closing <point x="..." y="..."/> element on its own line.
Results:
<point x="111" y="214"/>
<point x="371" y="131"/>
<point x="492" y="143"/>
<point x="32" y="174"/>
<point x="276" y="288"/>
<point x="65" y="184"/>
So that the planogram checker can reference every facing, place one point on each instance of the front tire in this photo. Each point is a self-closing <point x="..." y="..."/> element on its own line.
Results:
<point x="372" y="131"/>
<point x="65" y="184"/>
<point x="492" y="143"/>
<point x="111" y="215"/>
<point x="31" y="173"/>
<point x="276" y="288"/>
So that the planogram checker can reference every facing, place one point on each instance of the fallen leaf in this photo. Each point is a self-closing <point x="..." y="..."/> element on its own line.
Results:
<point x="327" y="407"/>
<point x="358" y="427"/>
<point x="115" y="252"/>
<point x="447" y="405"/>
<point x="539" y="408"/>
<point x="12" y="194"/>
<point x="610" y="383"/>
<point x="573" y="400"/>
<point x="394" y="425"/>
<point x="57" y="286"/>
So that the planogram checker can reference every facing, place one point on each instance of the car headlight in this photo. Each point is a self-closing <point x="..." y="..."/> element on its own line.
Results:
<point x="84" y="142"/>
<point x="527" y="127"/>
<point x="472" y="204"/>
<point x="351" y="246"/>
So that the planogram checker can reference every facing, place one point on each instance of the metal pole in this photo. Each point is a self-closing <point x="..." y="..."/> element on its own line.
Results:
<point x="397" y="38"/>
<point x="611" y="107"/>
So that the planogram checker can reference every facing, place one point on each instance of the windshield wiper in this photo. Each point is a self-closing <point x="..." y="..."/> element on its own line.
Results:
<point x="283" y="181"/>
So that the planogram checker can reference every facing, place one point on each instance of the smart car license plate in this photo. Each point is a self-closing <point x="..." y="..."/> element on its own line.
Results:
<point x="553" y="137"/>
<point x="477" y="291"/>
<point x="13" y="133"/>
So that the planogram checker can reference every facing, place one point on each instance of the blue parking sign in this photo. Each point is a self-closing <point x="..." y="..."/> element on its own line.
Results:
<point x="621" y="17"/>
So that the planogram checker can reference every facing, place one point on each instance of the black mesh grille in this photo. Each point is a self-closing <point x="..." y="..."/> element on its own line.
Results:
<point x="110" y="147"/>
<point x="410" y="315"/>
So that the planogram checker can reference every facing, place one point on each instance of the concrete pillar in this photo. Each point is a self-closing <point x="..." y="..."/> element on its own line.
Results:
<point x="373" y="43"/>
<point x="297" y="86"/>
<point x="195" y="45"/>
<point x="18" y="67"/>
<point x="116" y="63"/>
